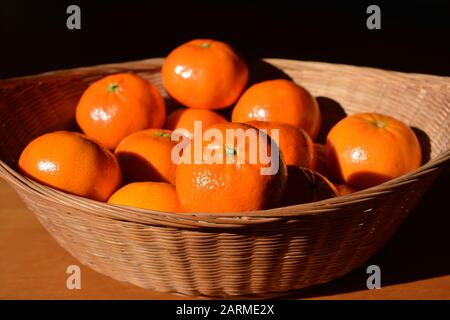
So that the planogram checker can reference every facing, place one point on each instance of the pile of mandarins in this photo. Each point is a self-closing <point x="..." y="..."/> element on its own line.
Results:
<point x="124" y="154"/>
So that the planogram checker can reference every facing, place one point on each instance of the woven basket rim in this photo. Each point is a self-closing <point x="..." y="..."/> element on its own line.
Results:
<point x="218" y="220"/>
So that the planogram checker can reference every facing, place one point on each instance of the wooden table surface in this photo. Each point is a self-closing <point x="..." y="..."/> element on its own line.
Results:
<point x="415" y="264"/>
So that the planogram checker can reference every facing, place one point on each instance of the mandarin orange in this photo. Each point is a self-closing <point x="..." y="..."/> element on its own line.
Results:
<point x="367" y="149"/>
<point x="146" y="156"/>
<point x="204" y="74"/>
<point x="159" y="196"/>
<point x="279" y="100"/>
<point x="226" y="179"/>
<point x="294" y="143"/>
<point x="115" y="106"/>
<point x="71" y="162"/>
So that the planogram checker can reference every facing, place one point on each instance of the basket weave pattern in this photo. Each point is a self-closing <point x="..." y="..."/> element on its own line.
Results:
<point x="256" y="253"/>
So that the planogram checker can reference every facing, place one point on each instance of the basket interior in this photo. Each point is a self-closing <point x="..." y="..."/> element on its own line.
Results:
<point x="35" y="105"/>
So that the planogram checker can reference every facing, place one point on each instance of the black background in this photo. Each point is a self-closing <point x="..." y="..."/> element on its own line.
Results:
<point x="415" y="37"/>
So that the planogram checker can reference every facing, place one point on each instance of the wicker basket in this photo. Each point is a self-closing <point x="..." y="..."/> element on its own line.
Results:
<point x="261" y="253"/>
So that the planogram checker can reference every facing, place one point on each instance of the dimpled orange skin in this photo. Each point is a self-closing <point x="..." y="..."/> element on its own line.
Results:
<point x="295" y="144"/>
<point x="231" y="187"/>
<point x="184" y="119"/>
<point x="146" y="156"/>
<point x="205" y="74"/>
<point x="279" y="101"/>
<point x="159" y="196"/>
<point x="367" y="149"/>
<point x="114" y="107"/>
<point x="71" y="162"/>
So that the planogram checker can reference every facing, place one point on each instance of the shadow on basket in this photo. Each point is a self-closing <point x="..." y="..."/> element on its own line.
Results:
<point x="411" y="255"/>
